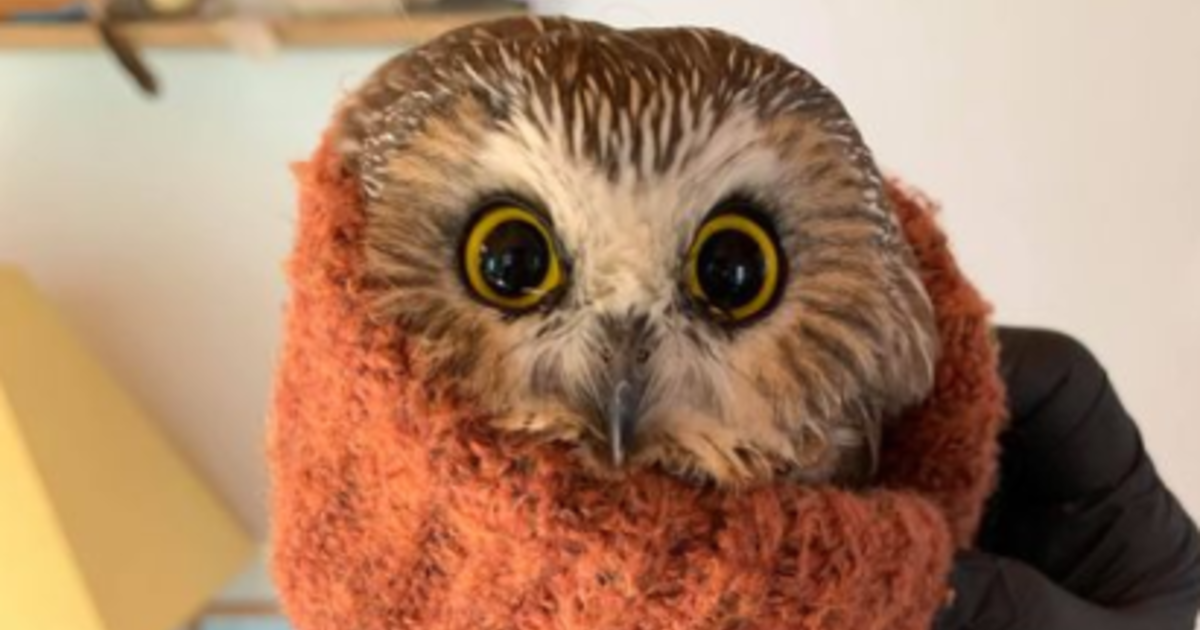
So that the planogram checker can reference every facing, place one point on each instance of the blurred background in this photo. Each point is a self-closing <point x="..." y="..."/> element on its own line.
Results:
<point x="1061" y="138"/>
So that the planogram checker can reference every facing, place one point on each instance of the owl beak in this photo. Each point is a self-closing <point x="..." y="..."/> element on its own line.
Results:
<point x="622" y="402"/>
<point x="623" y="410"/>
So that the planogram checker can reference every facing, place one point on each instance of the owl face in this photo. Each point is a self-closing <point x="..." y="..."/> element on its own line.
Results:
<point x="661" y="247"/>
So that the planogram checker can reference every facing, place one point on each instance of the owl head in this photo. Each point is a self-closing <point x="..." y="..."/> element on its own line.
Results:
<point x="657" y="247"/>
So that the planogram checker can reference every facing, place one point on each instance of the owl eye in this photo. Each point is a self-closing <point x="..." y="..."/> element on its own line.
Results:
<point x="509" y="258"/>
<point x="733" y="267"/>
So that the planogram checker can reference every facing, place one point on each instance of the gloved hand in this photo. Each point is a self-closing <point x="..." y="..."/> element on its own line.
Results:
<point x="1081" y="533"/>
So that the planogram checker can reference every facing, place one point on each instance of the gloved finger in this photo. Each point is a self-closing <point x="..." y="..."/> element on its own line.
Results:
<point x="1069" y="437"/>
<point x="995" y="593"/>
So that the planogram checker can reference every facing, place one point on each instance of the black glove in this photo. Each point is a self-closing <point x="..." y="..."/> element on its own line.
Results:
<point x="1081" y="533"/>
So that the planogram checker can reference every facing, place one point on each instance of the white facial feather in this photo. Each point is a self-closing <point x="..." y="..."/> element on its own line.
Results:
<point x="627" y="143"/>
<point x="627" y="238"/>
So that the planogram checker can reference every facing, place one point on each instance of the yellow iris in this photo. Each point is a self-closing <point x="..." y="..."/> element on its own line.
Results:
<point x="510" y="260"/>
<point x="761" y="264"/>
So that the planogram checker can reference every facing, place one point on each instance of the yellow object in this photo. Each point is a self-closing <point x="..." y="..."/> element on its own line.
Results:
<point x="103" y="527"/>
<point x="766" y="245"/>
<point x="476" y="245"/>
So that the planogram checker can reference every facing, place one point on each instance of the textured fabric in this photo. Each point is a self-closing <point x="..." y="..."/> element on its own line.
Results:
<point x="1082" y="532"/>
<point x="395" y="507"/>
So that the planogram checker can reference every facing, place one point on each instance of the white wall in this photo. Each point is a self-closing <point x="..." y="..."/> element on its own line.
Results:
<point x="1060" y="135"/>
<point x="160" y="228"/>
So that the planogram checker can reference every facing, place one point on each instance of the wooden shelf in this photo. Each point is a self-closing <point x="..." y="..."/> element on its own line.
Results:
<point x="294" y="33"/>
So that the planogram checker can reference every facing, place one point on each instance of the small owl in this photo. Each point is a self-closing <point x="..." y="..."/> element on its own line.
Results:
<point x="656" y="247"/>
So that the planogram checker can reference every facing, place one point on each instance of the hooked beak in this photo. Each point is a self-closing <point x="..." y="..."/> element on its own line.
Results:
<point x="621" y="402"/>
<point x="623" y="411"/>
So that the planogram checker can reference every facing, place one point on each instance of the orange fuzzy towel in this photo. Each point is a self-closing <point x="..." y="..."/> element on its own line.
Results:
<point x="392" y="510"/>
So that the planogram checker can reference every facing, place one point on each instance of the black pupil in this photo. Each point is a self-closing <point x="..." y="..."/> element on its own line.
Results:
<point x="731" y="268"/>
<point x="515" y="258"/>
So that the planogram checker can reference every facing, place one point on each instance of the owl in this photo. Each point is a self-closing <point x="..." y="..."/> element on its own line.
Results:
<point x="662" y="248"/>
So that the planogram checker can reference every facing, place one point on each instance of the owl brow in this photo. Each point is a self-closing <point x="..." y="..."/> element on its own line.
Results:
<point x="528" y="200"/>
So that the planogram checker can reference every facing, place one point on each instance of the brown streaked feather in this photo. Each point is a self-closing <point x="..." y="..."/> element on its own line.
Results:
<point x="627" y="139"/>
